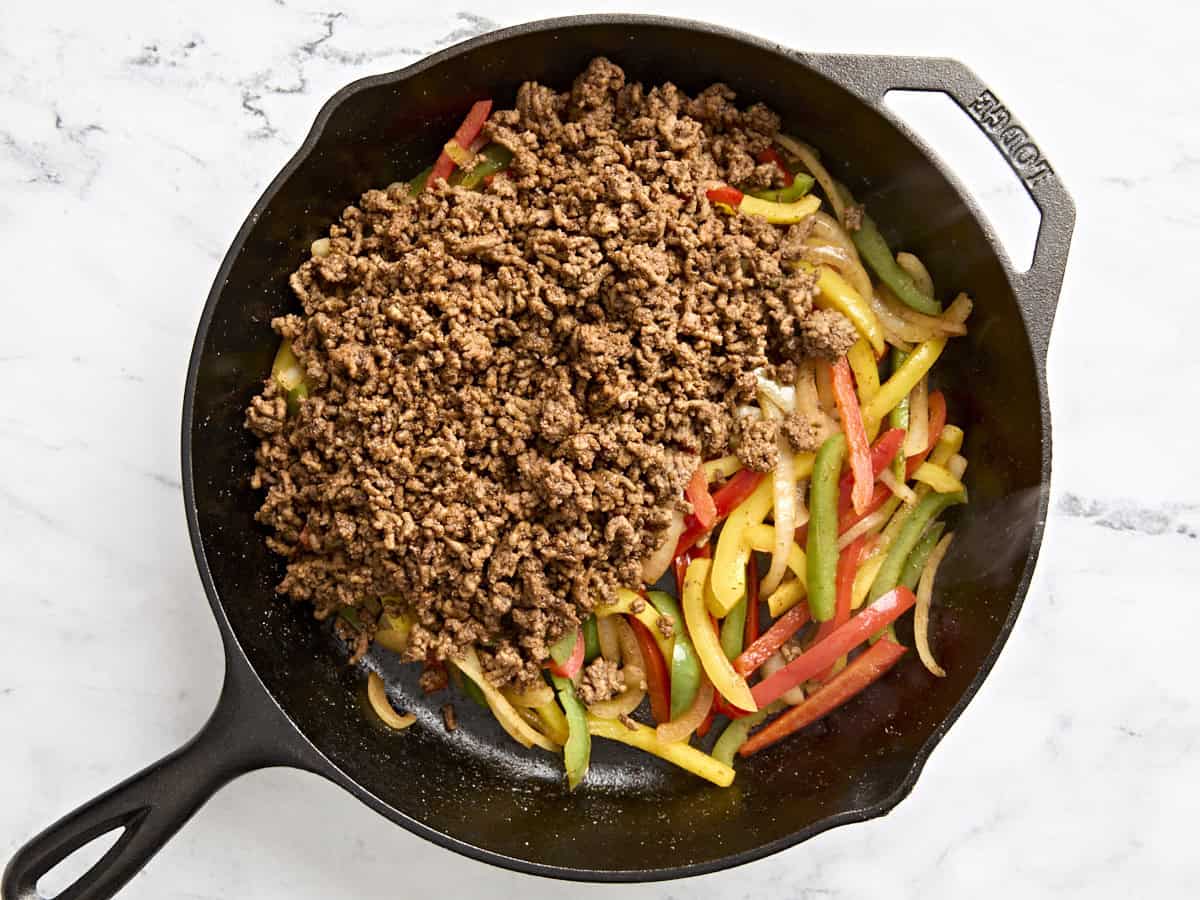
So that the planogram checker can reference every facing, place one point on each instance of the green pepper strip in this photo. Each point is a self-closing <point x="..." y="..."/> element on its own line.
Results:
<point x="733" y="630"/>
<point x="911" y="573"/>
<point x="468" y="687"/>
<point x="898" y="418"/>
<point x="823" y="528"/>
<point x="560" y="650"/>
<point x="591" y="639"/>
<point x="418" y="184"/>
<point x="577" y="752"/>
<point x="801" y="184"/>
<point x="929" y="507"/>
<point x="492" y="159"/>
<point x="878" y="256"/>
<point x="736" y="732"/>
<point x="685" y="664"/>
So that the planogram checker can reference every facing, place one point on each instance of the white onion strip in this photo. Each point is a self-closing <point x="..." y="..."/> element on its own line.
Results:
<point x="377" y="694"/>
<point x="784" y="482"/>
<point x="917" y="436"/>
<point x="689" y="720"/>
<point x="924" y="602"/>
<point x="610" y="644"/>
<point x="871" y="523"/>
<point x="898" y="488"/>
<point x="808" y="158"/>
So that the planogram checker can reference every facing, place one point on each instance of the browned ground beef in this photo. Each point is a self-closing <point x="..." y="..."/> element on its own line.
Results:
<point x="510" y="387"/>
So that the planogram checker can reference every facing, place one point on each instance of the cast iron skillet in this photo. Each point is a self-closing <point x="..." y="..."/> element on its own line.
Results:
<point x="289" y="699"/>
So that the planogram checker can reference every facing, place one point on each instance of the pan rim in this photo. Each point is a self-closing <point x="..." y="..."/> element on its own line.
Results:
<point x="235" y="654"/>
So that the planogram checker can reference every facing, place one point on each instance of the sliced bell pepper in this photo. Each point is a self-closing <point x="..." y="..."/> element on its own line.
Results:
<point x="723" y="707"/>
<point x="591" y="639"/>
<point x="856" y="436"/>
<point x="937" y="478"/>
<point x="899" y="416"/>
<point x="725" y="499"/>
<point x="510" y="720"/>
<point x="834" y="292"/>
<point x="775" y="637"/>
<point x="862" y="672"/>
<point x="761" y="537"/>
<point x="911" y="573"/>
<point x="627" y="603"/>
<point x="683" y="560"/>
<point x="926" y="510"/>
<point x="866" y="370"/>
<point x="720" y="671"/>
<point x="704" y="508"/>
<point x="577" y="751"/>
<point x="878" y="255"/>
<point x="684" y="664"/>
<point x="733" y="629"/>
<point x="467" y="132"/>
<point x="903" y="380"/>
<point x="492" y="159"/>
<point x="722" y="467"/>
<point x="420" y="181"/>
<point x="775" y="213"/>
<point x="703" y="728"/>
<point x="848" y="563"/>
<point x="657" y="681"/>
<point x="553" y="721"/>
<point x="849" y="518"/>
<point x="937" y="424"/>
<point x="820" y="656"/>
<point x="800" y="186"/>
<point x="736" y="732"/>
<point x="683" y="755"/>
<point x="732" y="552"/>
<point x="822" y="528"/>
<point x="566" y="654"/>
<point x="752" y="601"/>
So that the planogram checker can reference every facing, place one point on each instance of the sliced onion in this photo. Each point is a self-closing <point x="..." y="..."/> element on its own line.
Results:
<point x="957" y="466"/>
<point x="896" y="331"/>
<point x="689" y="720"/>
<point x="898" y="488"/>
<point x="784" y="478"/>
<point x="610" y="644"/>
<point x="837" y="258"/>
<point x="916" y="270"/>
<point x="377" y="694"/>
<point x="808" y="403"/>
<point x="828" y="229"/>
<point x="656" y="564"/>
<point x="917" y="436"/>
<point x="869" y="524"/>
<point x="937" y="325"/>
<point x="924" y="601"/>
<point x="808" y="158"/>
<point x="801" y="506"/>
<point x="506" y="714"/>
<point x="631" y="651"/>
<point x="959" y="310"/>
<point x="533" y="696"/>
<point x="782" y="397"/>
<point x="724" y="467"/>
<point x="792" y="697"/>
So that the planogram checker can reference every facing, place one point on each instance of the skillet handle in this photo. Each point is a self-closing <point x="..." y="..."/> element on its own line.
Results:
<point x="872" y="77"/>
<point x="152" y="805"/>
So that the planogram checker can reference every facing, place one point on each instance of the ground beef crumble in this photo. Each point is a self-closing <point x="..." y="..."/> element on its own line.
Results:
<point x="602" y="680"/>
<point x="509" y="388"/>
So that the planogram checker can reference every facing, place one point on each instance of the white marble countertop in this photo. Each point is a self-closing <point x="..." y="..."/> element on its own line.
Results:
<point x="135" y="136"/>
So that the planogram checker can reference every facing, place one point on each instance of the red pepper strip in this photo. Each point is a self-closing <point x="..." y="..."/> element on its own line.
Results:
<point x="847" y="683"/>
<point x="727" y="497"/>
<point x="848" y="563"/>
<point x="683" y="560"/>
<point x="726" y="194"/>
<point x="856" y="435"/>
<point x="884" y="450"/>
<point x="774" y="638"/>
<point x="802" y="535"/>
<point x="658" y="682"/>
<point x="820" y="656"/>
<point x="771" y="155"/>
<point x="704" y="508"/>
<point x="467" y="132"/>
<point x="849" y="518"/>
<point x="574" y="662"/>
<point x="937" y="424"/>
<point x="752" y="625"/>
<point x="702" y="728"/>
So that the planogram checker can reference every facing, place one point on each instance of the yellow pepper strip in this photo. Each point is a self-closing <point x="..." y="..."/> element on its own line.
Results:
<point x="710" y="602"/>
<point x="835" y="293"/>
<point x="395" y="636"/>
<point x="722" y="468"/>
<point x="510" y="720"/>
<point x="627" y="602"/>
<point x="900" y="385"/>
<point x="762" y="539"/>
<point x="804" y="465"/>
<point x="786" y="596"/>
<point x="937" y="478"/>
<point x="678" y="752"/>
<point x="707" y="642"/>
<point x="866" y="371"/>
<point x="780" y="213"/>
<point x="732" y="553"/>
<point x="948" y="444"/>
<point x="865" y="576"/>
<point x="554" y="722"/>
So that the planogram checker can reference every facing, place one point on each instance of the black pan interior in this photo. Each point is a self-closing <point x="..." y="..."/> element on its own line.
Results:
<point x="635" y="817"/>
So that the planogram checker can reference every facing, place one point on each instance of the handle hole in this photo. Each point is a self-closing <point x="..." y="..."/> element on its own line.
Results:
<point x="978" y="162"/>
<point x="75" y="865"/>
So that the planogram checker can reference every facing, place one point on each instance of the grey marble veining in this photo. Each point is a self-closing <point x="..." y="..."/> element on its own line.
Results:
<point x="133" y="139"/>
